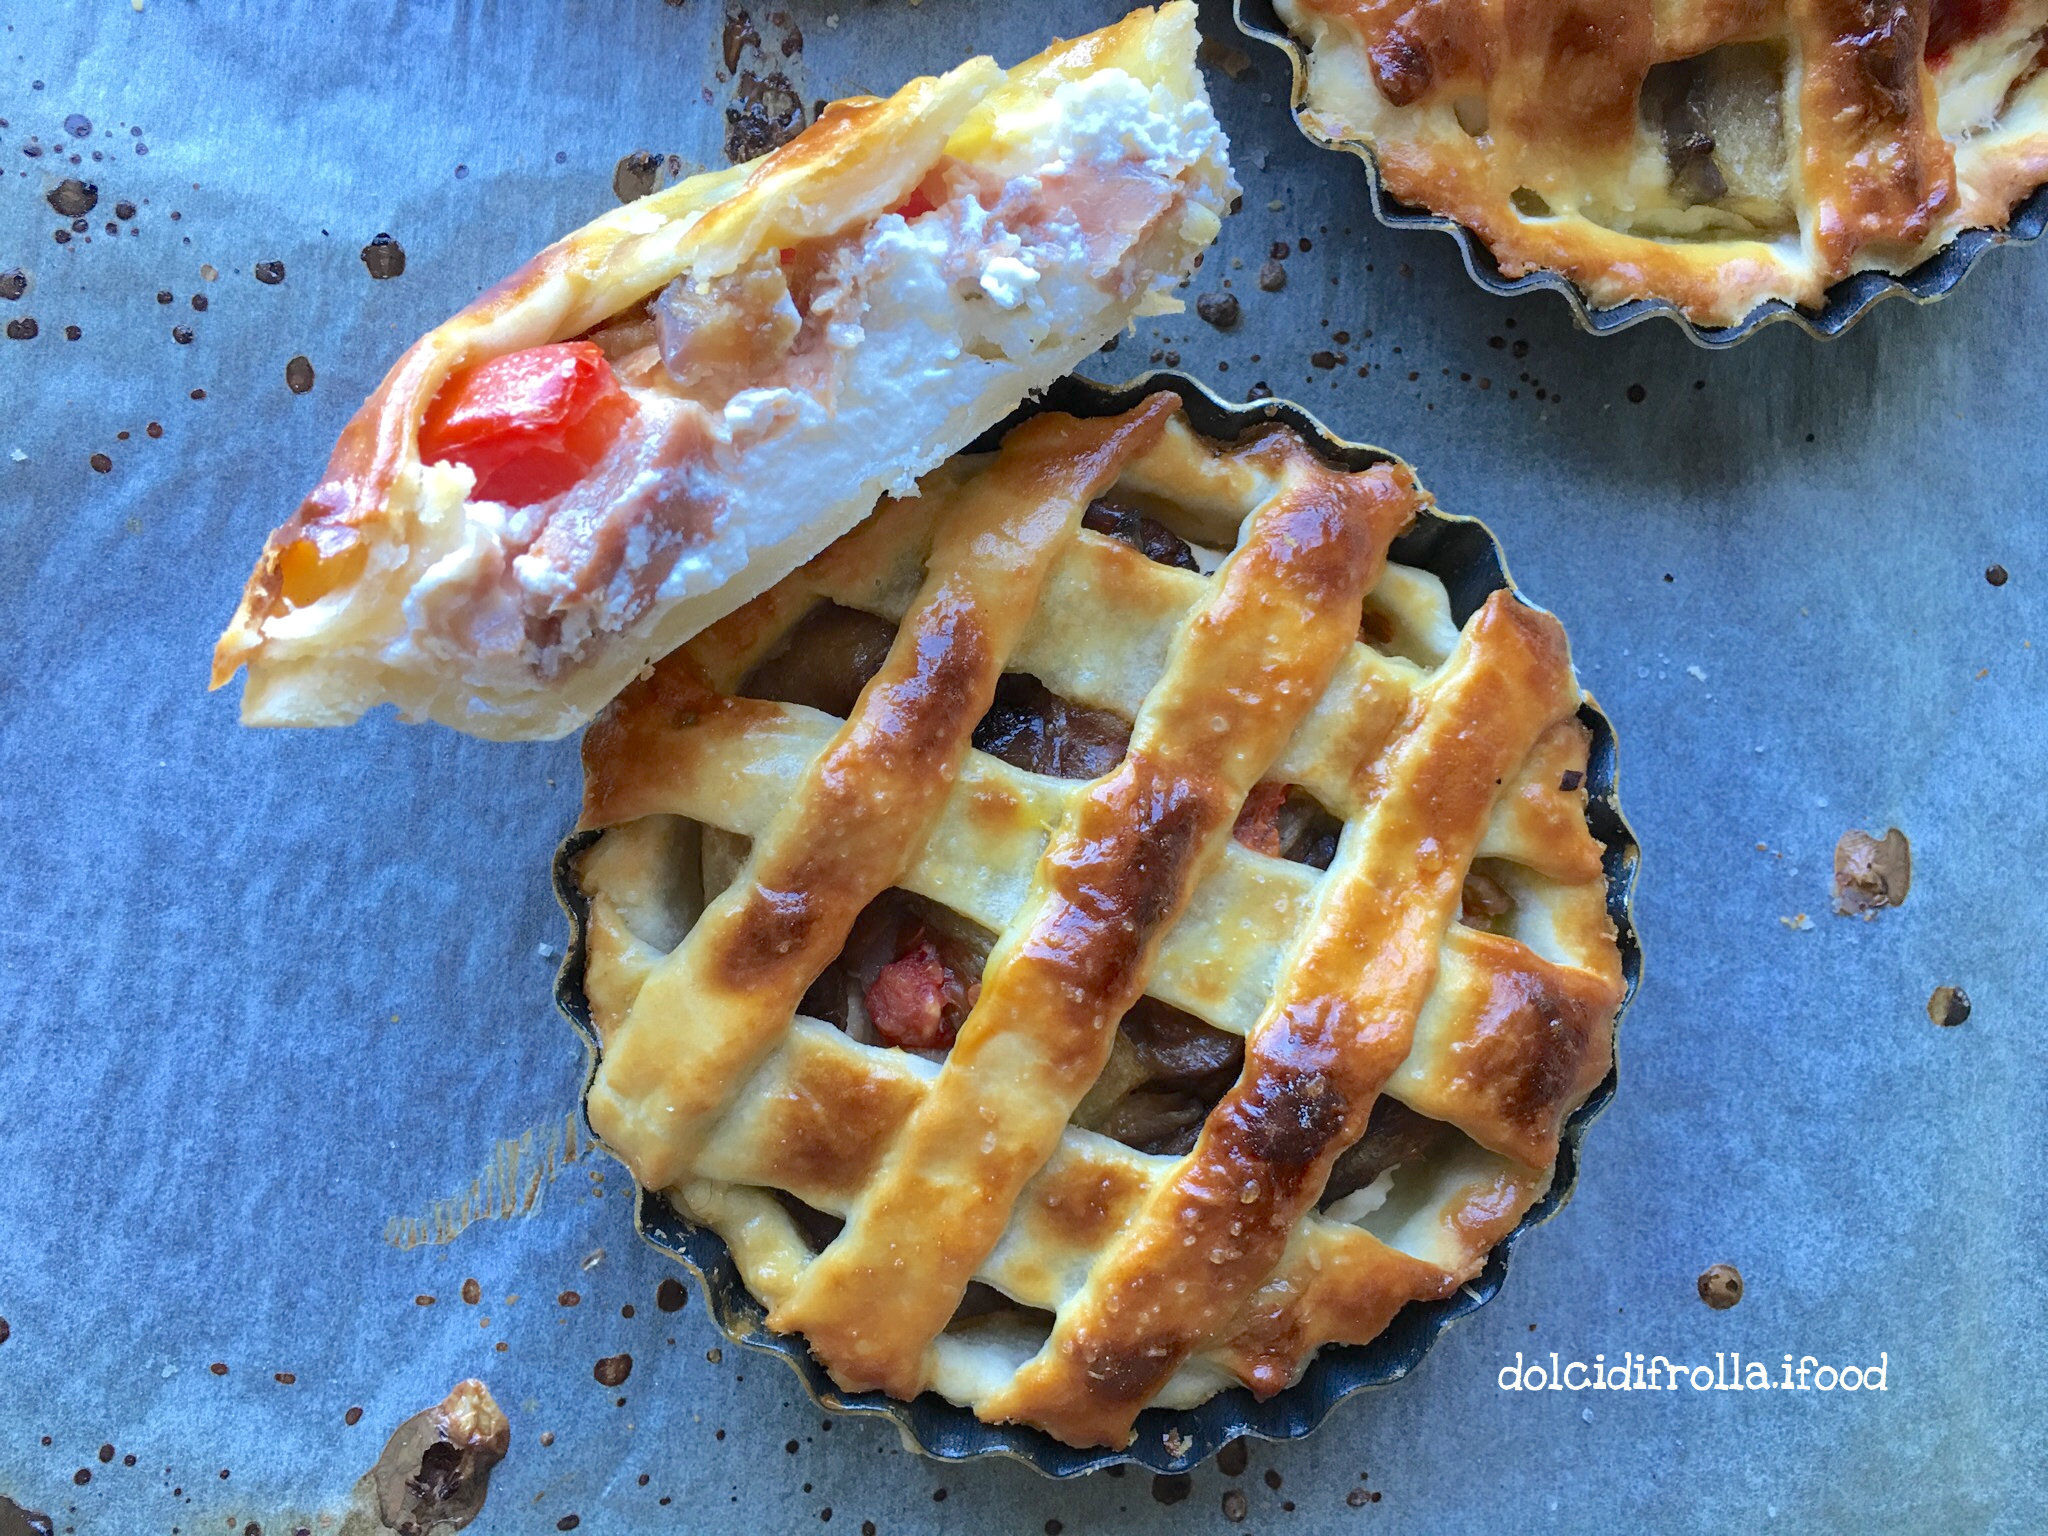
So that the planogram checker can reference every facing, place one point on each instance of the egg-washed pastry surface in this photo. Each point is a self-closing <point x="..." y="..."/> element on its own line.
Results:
<point x="673" y="407"/>
<point x="1717" y="154"/>
<point x="1099" y="932"/>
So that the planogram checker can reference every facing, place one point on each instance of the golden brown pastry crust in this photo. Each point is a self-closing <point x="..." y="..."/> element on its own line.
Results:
<point x="1574" y="137"/>
<point x="1169" y="1277"/>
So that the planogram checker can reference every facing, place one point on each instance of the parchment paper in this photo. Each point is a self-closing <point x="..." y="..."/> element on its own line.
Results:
<point x="281" y="1059"/>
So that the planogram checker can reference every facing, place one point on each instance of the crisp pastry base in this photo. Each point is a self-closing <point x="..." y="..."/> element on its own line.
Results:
<point x="1456" y="954"/>
<point x="1714" y="156"/>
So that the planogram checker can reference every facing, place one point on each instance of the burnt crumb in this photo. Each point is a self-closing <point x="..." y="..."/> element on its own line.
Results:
<point x="1233" y="1458"/>
<point x="82" y="1476"/>
<point x="670" y="1296"/>
<point x="124" y="209"/>
<point x="568" y="1522"/>
<point x="13" y="284"/>
<point x="81" y="226"/>
<point x="182" y="335"/>
<point x="298" y="378"/>
<point x="199" y="302"/>
<point x="73" y="198"/>
<point x="78" y="125"/>
<point x="1721" y="1286"/>
<point x="271" y="272"/>
<point x="612" y="1370"/>
<point x="1235" y="1505"/>
<point x="1273" y="1478"/>
<point x="1111" y="344"/>
<point x="434" y="1471"/>
<point x="740" y="33"/>
<point x="1218" y="309"/>
<point x="1995" y="574"/>
<point x="383" y="257"/>
<point x="23" y="329"/>
<point x="6" y="1330"/>
<point x="219" y="1367"/>
<point x="472" y="1293"/>
<point x="1272" y="277"/>
<point x="1949" y="1006"/>
<point x="164" y="296"/>
<point x="1637" y="394"/>
<point x="1326" y="359"/>
<point x="569" y="1299"/>
<point x="352" y="1416"/>
<point x="282" y="1378"/>
<point x="1871" y="873"/>
<point x="1171" y="1487"/>
<point x="1259" y="391"/>
<point x="764" y="114"/>
<point x="636" y="175"/>
<point x="1570" y="780"/>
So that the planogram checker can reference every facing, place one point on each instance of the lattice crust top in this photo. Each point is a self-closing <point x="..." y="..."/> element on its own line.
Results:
<point x="1136" y="1277"/>
<point x="1716" y="153"/>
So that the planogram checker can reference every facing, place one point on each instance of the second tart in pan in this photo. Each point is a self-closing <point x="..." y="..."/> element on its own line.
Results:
<point x="1724" y="166"/>
<point x="1103" y="959"/>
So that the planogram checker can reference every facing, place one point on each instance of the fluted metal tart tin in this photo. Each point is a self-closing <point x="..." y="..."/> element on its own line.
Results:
<point x="1842" y="306"/>
<point x="1464" y="554"/>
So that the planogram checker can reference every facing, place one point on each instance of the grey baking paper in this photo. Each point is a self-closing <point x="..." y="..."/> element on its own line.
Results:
<point x="282" y="1068"/>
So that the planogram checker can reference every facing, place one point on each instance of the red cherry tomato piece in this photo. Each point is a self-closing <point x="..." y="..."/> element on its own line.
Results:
<point x="530" y="424"/>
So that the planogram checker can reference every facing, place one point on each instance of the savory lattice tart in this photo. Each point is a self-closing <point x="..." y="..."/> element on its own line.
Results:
<point x="676" y="405"/>
<point x="1099" y="932"/>
<point x="1713" y="153"/>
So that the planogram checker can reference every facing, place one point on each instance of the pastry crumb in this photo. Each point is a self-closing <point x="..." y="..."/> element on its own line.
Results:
<point x="1871" y="873"/>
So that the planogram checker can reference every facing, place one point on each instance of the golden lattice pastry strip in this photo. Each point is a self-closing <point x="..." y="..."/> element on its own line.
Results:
<point x="1715" y="153"/>
<point x="1169" y="1278"/>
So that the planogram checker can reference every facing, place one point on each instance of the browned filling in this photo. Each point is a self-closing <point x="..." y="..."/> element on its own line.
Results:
<point x="1394" y="1135"/>
<point x="1166" y="1071"/>
<point x="1487" y="904"/>
<point x="1031" y="727"/>
<point x="826" y="661"/>
<point x="1285" y="821"/>
<point x="1149" y="537"/>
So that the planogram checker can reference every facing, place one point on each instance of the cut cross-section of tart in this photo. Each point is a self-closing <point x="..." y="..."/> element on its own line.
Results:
<point x="669" y="410"/>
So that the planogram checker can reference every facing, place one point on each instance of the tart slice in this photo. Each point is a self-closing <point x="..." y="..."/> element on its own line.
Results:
<point x="669" y="410"/>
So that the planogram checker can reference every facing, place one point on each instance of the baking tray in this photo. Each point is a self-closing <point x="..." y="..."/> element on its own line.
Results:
<point x="1466" y="556"/>
<point x="1842" y="306"/>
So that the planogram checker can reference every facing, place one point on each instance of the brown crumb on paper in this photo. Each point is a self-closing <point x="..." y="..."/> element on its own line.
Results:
<point x="1949" y="1006"/>
<point x="435" y="1470"/>
<point x="1721" y="1286"/>
<point x="1871" y="873"/>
